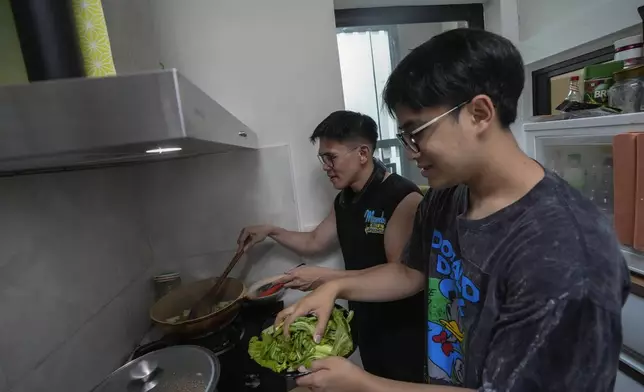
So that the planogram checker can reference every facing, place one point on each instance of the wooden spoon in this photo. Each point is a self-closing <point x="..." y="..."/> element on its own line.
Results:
<point x="204" y="306"/>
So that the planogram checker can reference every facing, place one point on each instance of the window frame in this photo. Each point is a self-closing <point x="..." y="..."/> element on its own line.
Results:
<point x="541" y="104"/>
<point x="360" y="19"/>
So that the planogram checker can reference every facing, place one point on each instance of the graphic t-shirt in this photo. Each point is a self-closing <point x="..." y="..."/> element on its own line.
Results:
<point x="526" y="299"/>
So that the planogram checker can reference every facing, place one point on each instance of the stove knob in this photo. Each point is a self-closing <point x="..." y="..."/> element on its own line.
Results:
<point x="251" y="381"/>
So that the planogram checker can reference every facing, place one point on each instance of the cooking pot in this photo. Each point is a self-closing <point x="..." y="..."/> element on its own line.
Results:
<point x="176" y="368"/>
<point x="184" y="297"/>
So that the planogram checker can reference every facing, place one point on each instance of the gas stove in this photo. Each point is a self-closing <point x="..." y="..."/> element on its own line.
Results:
<point x="238" y="371"/>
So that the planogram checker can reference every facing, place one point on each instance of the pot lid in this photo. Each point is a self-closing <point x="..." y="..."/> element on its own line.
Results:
<point x="176" y="368"/>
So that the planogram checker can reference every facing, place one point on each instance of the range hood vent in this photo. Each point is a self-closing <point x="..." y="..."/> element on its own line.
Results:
<point x="74" y="123"/>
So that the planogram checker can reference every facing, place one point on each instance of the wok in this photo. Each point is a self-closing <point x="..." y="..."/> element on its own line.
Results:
<point x="184" y="298"/>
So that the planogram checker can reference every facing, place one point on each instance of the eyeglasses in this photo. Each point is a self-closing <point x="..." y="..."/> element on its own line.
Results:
<point x="407" y="138"/>
<point x="329" y="159"/>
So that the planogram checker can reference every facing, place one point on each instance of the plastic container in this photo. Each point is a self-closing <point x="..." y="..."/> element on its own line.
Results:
<point x="599" y="79"/>
<point x="628" y="48"/>
<point x="627" y="94"/>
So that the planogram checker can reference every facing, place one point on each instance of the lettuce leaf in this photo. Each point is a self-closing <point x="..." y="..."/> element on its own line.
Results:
<point x="274" y="351"/>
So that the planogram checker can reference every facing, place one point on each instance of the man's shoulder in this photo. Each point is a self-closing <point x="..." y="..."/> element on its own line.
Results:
<point x="395" y="181"/>
<point x="393" y="190"/>
<point x="555" y="212"/>
<point x="444" y="200"/>
<point x="565" y="244"/>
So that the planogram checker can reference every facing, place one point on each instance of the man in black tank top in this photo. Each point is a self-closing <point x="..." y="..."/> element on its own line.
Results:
<point x="371" y="219"/>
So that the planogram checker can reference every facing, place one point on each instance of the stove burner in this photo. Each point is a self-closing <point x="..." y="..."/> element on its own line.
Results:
<point x="252" y="381"/>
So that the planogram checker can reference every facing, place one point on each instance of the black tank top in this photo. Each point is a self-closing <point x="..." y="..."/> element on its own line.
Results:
<point x="361" y="225"/>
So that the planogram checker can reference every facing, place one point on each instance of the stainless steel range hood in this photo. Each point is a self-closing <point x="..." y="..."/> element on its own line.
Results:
<point x="72" y="123"/>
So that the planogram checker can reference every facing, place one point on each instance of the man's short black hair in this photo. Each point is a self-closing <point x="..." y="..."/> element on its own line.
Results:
<point x="345" y="125"/>
<point x="454" y="67"/>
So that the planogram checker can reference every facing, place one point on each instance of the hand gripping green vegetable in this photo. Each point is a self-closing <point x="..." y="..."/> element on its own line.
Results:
<point x="279" y="353"/>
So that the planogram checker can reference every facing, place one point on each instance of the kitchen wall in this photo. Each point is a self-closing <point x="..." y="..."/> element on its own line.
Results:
<point x="273" y="64"/>
<point x="12" y="67"/>
<point x="550" y="31"/>
<point x="74" y="250"/>
<point x="542" y="49"/>
<point x="501" y="17"/>
<point x="412" y="35"/>
<point x="79" y="248"/>
<point x="548" y="27"/>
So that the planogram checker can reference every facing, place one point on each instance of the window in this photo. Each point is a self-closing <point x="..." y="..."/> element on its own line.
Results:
<point x="371" y="42"/>
<point x="366" y="60"/>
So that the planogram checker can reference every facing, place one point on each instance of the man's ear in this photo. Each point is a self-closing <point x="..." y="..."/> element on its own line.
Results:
<point x="365" y="153"/>
<point x="482" y="112"/>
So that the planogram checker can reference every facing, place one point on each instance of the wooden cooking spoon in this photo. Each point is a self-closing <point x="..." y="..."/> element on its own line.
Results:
<point x="204" y="306"/>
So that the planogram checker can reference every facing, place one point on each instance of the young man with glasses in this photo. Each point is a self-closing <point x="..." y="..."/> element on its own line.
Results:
<point x="523" y="276"/>
<point x="372" y="219"/>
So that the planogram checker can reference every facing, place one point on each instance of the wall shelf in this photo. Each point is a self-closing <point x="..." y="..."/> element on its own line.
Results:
<point x="618" y="120"/>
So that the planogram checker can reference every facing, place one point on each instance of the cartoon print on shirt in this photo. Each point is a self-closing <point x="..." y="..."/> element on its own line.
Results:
<point x="450" y="294"/>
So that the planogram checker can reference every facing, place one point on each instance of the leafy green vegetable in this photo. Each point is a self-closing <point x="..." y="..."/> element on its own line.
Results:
<point x="278" y="353"/>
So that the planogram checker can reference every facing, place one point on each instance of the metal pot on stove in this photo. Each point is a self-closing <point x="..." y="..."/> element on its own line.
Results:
<point x="173" y="369"/>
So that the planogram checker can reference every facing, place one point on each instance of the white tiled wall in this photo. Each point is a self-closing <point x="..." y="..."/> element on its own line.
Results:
<point x="70" y="244"/>
<point x="195" y="208"/>
<point x="77" y="250"/>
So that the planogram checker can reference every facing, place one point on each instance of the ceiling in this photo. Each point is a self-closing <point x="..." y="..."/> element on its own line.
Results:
<point x="340" y="4"/>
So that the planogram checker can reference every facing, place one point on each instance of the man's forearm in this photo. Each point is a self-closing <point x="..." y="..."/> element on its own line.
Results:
<point x="334" y="274"/>
<point x="387" y="282"/>
<point x="302" y="243"/>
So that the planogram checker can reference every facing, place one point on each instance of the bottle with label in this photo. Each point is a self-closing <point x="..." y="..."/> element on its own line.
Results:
<point x="573" y="90"/>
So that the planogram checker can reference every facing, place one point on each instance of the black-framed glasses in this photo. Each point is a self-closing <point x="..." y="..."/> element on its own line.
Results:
<point x="329" y="159"/>
<point x="408" y="140"/>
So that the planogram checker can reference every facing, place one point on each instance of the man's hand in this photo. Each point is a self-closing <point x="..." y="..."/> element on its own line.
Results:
<point x="320" y="303"/>
<point x="334" y="374"/>
<point x="256" y="233"/>
<point x="306" y="278"/>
